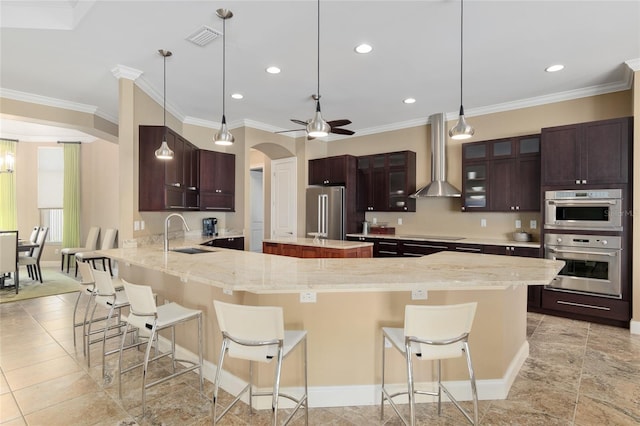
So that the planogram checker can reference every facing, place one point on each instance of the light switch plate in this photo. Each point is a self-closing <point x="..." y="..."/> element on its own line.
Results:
<point x="136" y="225"/>
<point x="483" y="223"/>
<point x="518" y="224"/>
<point x="533" y="224"/>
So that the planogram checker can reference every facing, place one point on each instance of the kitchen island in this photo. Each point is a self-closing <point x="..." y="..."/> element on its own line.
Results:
<point x="354" y="299"/>
<point x="316" y="247"/>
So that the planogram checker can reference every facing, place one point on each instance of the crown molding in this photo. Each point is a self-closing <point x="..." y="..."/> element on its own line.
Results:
<point x="633" y="64"/>
<point x="47" y="101"/>
<point x="157" y="96"/>
<point x="123" y="71"/>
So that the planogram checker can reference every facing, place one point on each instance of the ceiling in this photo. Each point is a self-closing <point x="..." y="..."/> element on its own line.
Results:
<point x="68" y="53"/>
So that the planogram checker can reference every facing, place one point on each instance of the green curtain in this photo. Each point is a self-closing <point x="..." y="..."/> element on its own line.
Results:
<point x="8" y="209"/>
<point x="71" y="196"/>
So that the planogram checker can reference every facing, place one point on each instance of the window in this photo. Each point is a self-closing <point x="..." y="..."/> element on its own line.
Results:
<point x="50" y="190"/>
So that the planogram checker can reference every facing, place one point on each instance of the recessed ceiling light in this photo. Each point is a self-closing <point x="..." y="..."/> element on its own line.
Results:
<point x="273" y="70"/>
<point x="237" y="95"/>
<point x="409" y="101"/>
<point x="554" y="68"/>
<point x="363" y="48"/>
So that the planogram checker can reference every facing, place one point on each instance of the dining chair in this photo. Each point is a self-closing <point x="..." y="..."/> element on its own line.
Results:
<point x="9" y="258"/>
<point x="108" y="242"/>
<point x="33" y="262"/>
<point x="90" y="244"/>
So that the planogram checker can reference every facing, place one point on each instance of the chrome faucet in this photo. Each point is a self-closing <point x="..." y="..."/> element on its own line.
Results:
<point x="166" y="228"/>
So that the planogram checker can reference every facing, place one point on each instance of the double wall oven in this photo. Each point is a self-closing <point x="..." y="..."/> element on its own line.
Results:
<point x="583" y="228"/>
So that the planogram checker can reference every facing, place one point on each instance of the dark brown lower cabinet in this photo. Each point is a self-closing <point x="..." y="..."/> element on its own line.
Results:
<point x="235" y="243"/>
<point x="585" y="307"/>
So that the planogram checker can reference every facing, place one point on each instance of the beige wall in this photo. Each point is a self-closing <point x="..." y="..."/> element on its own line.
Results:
<point x="636" y="196"/>
<point x="99" y="196"/>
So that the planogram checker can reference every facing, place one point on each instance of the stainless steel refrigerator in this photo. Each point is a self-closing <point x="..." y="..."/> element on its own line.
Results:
<point x="326" y="212"/>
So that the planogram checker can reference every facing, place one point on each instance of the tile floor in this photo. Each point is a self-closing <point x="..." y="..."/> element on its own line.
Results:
<point x="577" y="374"/>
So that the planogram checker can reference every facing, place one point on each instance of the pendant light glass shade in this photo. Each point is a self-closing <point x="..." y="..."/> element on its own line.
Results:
<point x="164" y="152"/>
<point x="317" y="127"/>
<point x="224" y="137"/>
<point x="462" y="130"/>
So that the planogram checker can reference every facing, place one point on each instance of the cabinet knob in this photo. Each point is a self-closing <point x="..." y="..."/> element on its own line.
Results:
<point x="512" y="208"/>
<point x="584" y="181"/>
<point x="517" y="207"/>
<point x="577" y="181"/>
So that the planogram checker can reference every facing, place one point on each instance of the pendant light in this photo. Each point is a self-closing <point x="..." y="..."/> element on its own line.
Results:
<point x="461" y="130"/>
<point x="164" y="152"/>
<point x="317" y="127"/>
<point x="224" y="137"/>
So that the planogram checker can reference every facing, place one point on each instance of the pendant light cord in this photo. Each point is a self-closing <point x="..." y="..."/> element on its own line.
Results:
<point x="318" y="91"/>
<point x="164" y="93"/>
<point x="224" y="67"/>
<point x="461" y="46"/>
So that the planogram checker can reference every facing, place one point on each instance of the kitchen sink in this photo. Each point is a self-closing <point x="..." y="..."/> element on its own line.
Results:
<point x="192" y="250"/>
<point x="432" y="237"/>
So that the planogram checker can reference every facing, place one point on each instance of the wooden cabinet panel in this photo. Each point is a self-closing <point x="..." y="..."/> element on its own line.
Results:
<point x="166" y="184"/>
<point x="331" y="170"/>
<point x="302" y="251"/>
<point x="422" y="248"/>
<point x="502" y="175"/>
<point x="234" y="243"/>
<point x="217" y="180"/>
<point x="594" y="153"/>
<point x="585" y="307"/>
<point x="385" y="182"/>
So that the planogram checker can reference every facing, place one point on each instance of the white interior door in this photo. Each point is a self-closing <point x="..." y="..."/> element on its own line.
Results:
<point x="284" y="198"/>
<point x="257" y="210"/>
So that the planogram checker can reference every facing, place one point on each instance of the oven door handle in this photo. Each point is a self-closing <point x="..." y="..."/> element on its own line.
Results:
<point x="614" y="254"/>
<point x="581" y="202"/>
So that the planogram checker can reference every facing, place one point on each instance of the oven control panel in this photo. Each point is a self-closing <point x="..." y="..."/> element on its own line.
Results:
<point x="587" y="241"/>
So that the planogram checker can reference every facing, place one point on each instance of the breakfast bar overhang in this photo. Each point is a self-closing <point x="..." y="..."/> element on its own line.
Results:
<point x="354" y="298"/>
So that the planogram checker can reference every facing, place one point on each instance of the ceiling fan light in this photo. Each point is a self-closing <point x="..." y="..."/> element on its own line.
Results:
<point x="462" y="130"/>
<point x="224" y="137"/>
<point x="317" y="127"/>
<point x="164" y="152"/>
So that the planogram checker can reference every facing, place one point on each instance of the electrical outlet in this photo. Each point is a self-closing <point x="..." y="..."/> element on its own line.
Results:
<point x="57" y="251"/>
<point x="399" y="221"/>
<point x="308" y="297"/>
<point x="227" y="291"/>
<point x="374" y="220"/>
<point x="136" y="225"/>
<point x="518" y="224"/>
<point x="533" y="224"/>
<point x="418" y="294"/>
<point x="142" y="225"/>
<point x="483" y="223"/>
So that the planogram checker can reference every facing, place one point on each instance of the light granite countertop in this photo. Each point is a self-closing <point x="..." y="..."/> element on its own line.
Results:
<point x="319" y="242"/>
<point x="263" y="273"/>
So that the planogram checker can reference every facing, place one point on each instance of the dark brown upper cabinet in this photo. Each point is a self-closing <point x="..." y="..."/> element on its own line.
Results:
<point x="587" y="154"/>
<point x="386" y="181"/>
<point x="217" y="181"/>
<point x="501" y="175"/>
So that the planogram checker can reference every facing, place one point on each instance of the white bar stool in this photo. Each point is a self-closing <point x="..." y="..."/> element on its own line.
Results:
<point x="108" y="297"/>
<point x="256" y="333"/>
<point x="431" y="333"/>
<point x="149" y="319"/>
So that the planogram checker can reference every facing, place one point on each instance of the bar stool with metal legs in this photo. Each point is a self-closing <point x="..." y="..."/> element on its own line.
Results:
<point x="256" y="333"/>
<point x="431" y="333"/>
<point x="149" y="319"/>
<point x="87" y="288"/>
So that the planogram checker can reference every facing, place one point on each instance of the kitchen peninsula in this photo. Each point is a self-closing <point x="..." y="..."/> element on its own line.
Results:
<point x="354" y="298"/>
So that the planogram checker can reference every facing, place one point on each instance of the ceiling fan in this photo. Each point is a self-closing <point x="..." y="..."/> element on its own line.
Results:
<point x="317" y="126"/>
<point x="334" y="125"/>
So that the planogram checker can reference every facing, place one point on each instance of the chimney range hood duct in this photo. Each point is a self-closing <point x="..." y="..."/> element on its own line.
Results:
<point x="439" y="187"/>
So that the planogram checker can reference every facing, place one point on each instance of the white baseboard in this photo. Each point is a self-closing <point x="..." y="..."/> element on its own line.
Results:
<point x="342" y="396"/>
<point x="634" y="327"/>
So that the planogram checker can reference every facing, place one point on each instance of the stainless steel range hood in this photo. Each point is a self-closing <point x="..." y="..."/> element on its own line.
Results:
<point x="438" y="187"/>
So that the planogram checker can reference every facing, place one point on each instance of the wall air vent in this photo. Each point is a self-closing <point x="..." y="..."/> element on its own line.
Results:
<point x="203" y="35"/>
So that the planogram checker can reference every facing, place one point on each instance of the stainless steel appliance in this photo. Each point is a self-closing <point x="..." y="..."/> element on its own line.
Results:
<point x="592" y="263"/>
<point x="210" y="227"/>
<point x="325" y="212"/>
<point x="588" y="210"/>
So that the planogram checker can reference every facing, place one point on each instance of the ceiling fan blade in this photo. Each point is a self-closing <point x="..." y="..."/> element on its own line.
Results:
<point x="339" y="123"/>
<point x="300" y="122"/>
<point x="342" y="131"/>
<point x="287" y="131"/>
